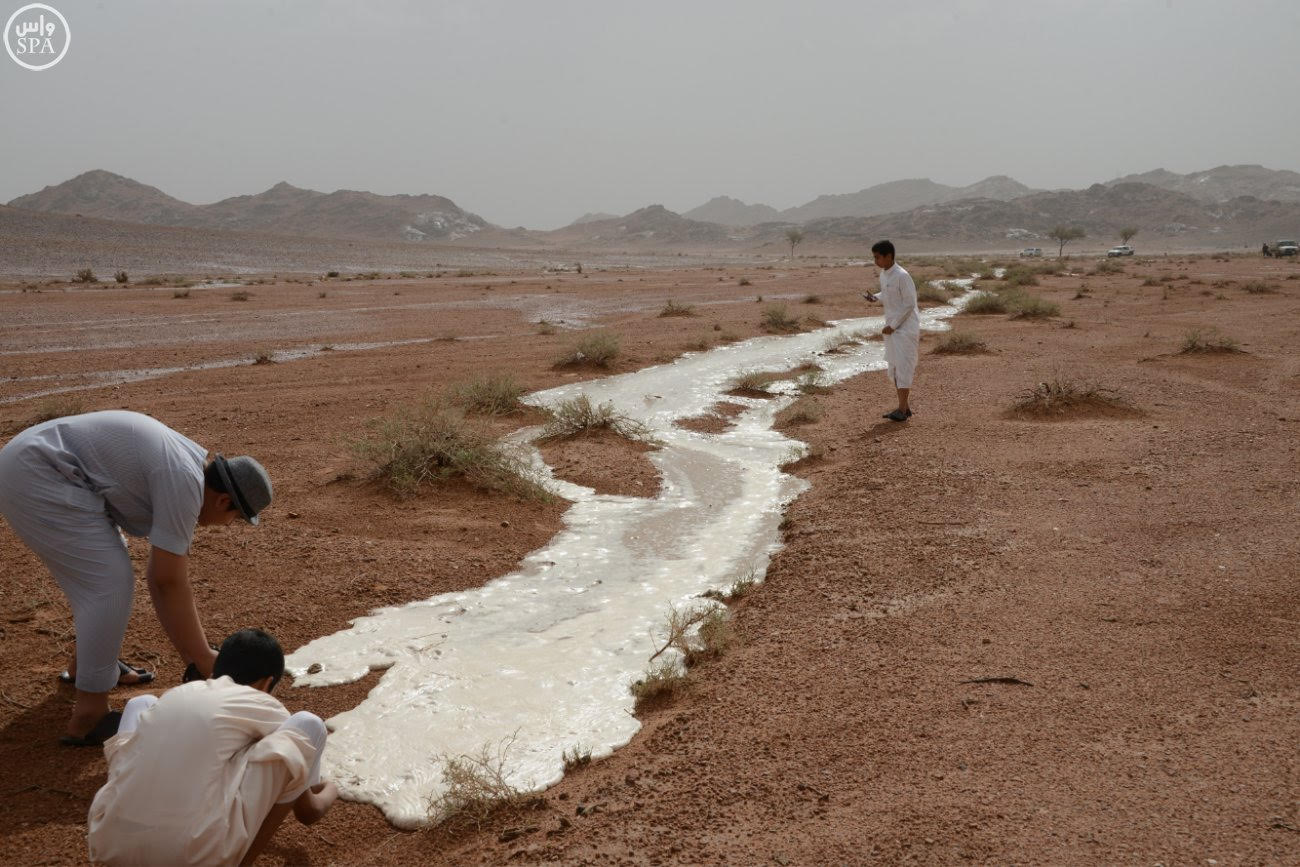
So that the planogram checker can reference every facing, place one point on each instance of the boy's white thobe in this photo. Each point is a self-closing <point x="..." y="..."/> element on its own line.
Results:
<point x="898" y="295"/>
<point x="193" y="783"/>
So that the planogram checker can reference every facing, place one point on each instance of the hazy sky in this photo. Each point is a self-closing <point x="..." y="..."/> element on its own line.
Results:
<point x="531" y="113"/>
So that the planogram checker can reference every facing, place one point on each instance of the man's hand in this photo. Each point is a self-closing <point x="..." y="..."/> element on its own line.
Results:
<point x="869" y="296"/>
<point x="887" y="330"/>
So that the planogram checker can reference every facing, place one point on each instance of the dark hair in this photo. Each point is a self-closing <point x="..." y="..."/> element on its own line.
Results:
<point x="883" y="248"/>
<point x="249" y="655"/>
<point x="212" y="479"/>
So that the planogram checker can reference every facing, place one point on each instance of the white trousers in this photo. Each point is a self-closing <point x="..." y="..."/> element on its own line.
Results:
<point x="69" y="529"/>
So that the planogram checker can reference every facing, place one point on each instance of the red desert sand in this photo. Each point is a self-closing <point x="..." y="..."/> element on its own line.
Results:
<point x="991" y="636"/>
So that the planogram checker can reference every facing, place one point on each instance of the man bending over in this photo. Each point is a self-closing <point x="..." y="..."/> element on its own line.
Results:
<point x="206" y="773"/>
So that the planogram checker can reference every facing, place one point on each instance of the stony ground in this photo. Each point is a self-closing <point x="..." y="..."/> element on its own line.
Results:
<point x="988" y="638"/>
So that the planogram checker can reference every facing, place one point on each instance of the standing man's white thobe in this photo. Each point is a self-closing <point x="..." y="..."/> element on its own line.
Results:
<point x="898" y="295"/>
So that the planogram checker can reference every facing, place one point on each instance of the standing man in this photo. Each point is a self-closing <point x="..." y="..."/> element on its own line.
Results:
<point x="70" y="487"/>
<point x="902" y="329"/>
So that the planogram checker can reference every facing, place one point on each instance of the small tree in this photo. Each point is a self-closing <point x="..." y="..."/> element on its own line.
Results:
<point x="1126" y="234"/>
<point x="795" y="237"/>
<point x="1063" y="235"/>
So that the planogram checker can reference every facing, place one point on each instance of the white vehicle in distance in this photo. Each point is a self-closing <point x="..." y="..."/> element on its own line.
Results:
<point x="1030" y="252"/>
<point x="1121" y="250"/>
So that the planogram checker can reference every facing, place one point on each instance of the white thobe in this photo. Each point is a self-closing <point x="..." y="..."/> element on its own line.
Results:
<point x="898" y="295"/>
<point x="193" y="783"/>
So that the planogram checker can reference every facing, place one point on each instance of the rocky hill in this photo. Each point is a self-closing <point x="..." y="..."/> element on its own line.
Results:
<point x="1224" y="183"/>
<point x="897" y="196"/>
<point x="103" y="194"/>
<point x="654" y="225"/>
<point x="1100" y="211"/>
<point x="284" y="209"/>
<point x="733" y="212"/>
<point x="593" y="217"/>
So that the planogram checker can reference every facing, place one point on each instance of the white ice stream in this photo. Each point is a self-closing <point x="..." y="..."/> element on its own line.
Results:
<point x="545" y="654"/>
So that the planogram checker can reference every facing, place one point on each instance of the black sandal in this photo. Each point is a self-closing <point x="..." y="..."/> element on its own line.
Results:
<point x="123" y="668"/>
<point x="898" y="415"/>
<point x="103" y="730"/>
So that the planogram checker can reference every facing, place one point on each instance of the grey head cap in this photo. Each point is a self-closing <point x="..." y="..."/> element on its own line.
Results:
<point x="247" y="483"/>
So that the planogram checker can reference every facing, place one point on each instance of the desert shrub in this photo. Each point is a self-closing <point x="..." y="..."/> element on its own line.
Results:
<point x="85" y="275"/>
<point x="1210" y="341"/>
<point x="812" y="299"/>
<point x="545" y="327"/>
<point x="580" y="416"/>
<point x="698" y="345"/>
<point x="599" y="349"/>
<point x="332" y="274"/>
<point x="744" y="281"/>
<point x="1150" y="281"/>
<point x="121" y="277"/>
<point x="696" y="633"/>
<point x="715" y="635"/>
<point x="776" y="319"/>
<point x="737" y="590"/>
<point x="475" y="787"/>
<point x="672" y="308"/>
<point x="1060" y="396"/>
<point x="575" y="758"/>
<point x="813" y="382"/>
<point x="1019" y="275"/>
<point x="805" y="410"/>
<point x="838" y="342"/>
<point x="1105" y="266"/>
<point x="755" y="382"/>
<point x="929" y="292"/>
<point x="322" y="294"/>
<point x="1258" y="287"/>
<point x="180" y="293"/>
<point x="240" y="295"/>
<point x="266" y="356"/>
<point x="986" y="303"/>
<point x="958" y="343"/>
<point x="662" y="682"/>
<point x="432" y="442"/>
<point x="57" y="406"/>
<point x="489" y="394"/>
<point x="1034" y="307"/>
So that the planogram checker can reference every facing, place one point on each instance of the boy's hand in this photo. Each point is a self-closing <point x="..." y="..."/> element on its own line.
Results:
<point x="887" y="330"/>
<point x="868" y="296"/>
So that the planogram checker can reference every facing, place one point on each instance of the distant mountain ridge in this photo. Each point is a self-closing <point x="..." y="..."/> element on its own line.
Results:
<point x="732" y="212"/>
<point x="1244" y="203"/>
<point x="887" y="198"/>
<point x="1223" y="183"/>
<point x="283" y="208"/>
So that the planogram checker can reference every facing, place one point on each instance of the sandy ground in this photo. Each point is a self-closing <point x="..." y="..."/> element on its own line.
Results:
<point x="1137" y="572"/>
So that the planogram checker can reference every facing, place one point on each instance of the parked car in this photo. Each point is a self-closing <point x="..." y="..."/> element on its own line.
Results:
<point x="1281" y="248"/>
<point x="1121" y="250"/>
<point x="1030" y="252"/>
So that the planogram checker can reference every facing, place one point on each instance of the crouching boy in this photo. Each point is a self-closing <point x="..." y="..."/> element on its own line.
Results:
<point x="206" y="773"/>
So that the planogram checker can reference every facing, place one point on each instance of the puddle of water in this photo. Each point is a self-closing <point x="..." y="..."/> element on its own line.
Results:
<point x="545" y="655"/>
<point x="102" y="378"/>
